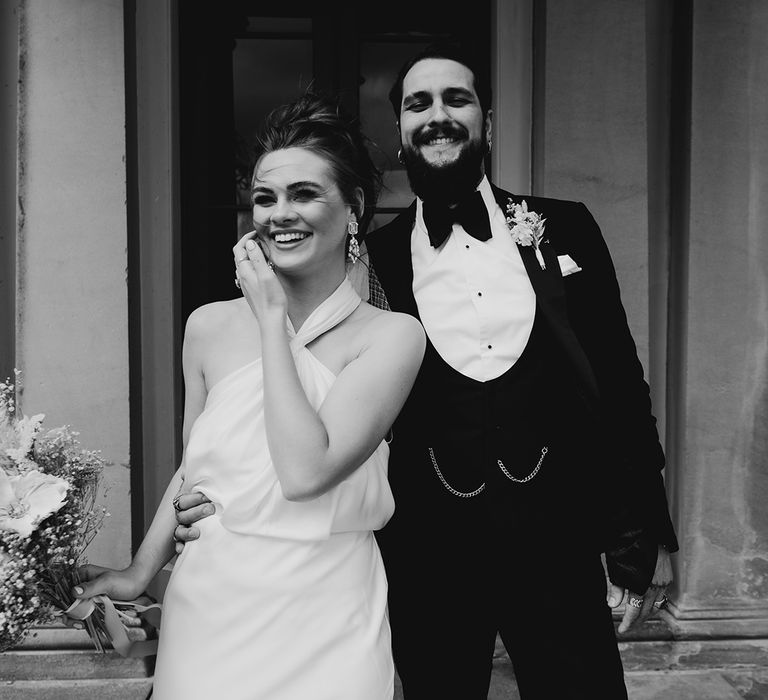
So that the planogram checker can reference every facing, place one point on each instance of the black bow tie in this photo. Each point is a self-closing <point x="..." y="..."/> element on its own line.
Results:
<point x="470" y="212"/>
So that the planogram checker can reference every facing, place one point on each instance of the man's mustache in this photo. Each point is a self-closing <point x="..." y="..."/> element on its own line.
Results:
<point x="436" y="132"/>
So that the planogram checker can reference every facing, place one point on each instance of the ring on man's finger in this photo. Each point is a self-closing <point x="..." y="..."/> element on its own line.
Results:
<point x="176" y="505"/>
<point x="636" y="602"/>
<point x="660" y="603"/>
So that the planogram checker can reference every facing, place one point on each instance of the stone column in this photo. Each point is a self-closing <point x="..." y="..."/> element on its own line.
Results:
<point x="721" y="484"/>
<point x="71" y="296"/>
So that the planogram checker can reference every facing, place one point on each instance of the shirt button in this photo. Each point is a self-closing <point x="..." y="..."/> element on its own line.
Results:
<point x="490" y="347"/>
<point x="479" y="294"/>
<point x="467" y="247"/>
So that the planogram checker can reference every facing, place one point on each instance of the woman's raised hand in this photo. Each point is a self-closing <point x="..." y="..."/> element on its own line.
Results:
<point x="258" y="282"/>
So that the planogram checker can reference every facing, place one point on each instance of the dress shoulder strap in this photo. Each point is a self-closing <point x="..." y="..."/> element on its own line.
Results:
<point x="330" y="313"/>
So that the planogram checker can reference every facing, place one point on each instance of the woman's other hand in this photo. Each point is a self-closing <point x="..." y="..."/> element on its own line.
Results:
<point x="125" y="584"/>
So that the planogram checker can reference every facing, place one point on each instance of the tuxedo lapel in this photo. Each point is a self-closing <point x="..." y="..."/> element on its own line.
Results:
<point x="550" y="298"/>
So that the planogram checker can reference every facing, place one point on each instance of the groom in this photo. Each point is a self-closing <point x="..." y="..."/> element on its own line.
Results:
<point x="527" y="447"/>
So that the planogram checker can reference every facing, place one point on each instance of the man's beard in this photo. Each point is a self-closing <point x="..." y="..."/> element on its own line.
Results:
<point x="446" y="183"/>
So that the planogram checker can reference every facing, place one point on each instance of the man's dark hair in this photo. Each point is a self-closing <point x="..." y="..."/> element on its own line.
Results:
<point x="452" y="50"/>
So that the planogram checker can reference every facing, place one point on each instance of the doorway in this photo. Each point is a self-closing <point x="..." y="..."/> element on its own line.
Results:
<point x="238" y="63"/>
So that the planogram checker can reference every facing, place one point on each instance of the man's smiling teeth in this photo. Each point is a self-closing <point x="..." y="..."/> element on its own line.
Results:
<point x="288" y="237"/>
<point x="441" y="141"/>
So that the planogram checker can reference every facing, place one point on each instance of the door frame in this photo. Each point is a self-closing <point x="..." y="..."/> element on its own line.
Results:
<point x="155" y="333"/>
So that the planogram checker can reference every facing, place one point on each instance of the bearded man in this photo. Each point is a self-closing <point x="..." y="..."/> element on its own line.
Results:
<point x="527" y="447"/>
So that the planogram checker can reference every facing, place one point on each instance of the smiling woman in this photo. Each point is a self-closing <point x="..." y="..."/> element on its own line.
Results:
<point x="299" y="212"/>
<point x="290" y="391"/>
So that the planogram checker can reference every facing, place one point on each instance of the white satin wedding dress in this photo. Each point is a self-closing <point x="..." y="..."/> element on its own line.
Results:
<point x="277" y="600"/>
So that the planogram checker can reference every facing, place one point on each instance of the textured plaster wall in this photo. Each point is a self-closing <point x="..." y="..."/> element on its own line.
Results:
<point x="72" y="343"/>
<point x="592" y="132"/>
<point x="725" y="504"/>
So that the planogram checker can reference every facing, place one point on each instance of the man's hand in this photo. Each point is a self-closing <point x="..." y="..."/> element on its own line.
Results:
<point x="190" y="507"/>
<point x="639" y="607"/>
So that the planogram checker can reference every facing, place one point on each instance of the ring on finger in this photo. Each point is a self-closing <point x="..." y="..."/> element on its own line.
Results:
<point x="636" y="602"/>
<point x="176" y="505"/>
<point x="660" y="603"/>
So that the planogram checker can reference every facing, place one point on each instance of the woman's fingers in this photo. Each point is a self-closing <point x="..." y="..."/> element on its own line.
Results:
<point x="96" y="583"/>
<point x="241" y="256"/>
<point x="256" y="256"/>
<point x="125" y="584"/>
<point x="238" y="249"/>
<point x="257" y="270"/>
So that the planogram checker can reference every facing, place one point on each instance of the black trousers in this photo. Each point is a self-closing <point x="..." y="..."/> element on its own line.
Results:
<point x="452" y="588"/>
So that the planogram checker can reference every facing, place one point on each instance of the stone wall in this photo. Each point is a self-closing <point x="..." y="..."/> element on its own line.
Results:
<point x="723" y="489"/>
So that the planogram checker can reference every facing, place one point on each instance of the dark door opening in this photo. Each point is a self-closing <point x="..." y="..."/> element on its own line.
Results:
<point x="238" y="60"/>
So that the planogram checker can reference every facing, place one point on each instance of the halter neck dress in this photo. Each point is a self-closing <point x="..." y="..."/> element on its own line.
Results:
<point x="277" y="600"/>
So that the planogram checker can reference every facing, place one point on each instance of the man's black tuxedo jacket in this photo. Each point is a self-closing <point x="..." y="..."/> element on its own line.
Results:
<point x="584" y="313"/>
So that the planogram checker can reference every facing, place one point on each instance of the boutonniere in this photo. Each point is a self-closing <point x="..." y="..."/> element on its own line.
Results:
<point x="527" y="227"/>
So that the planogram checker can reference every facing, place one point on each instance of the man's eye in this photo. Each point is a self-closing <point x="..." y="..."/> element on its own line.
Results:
<point x="416" y="106"/>
<point x="458" y="102"/>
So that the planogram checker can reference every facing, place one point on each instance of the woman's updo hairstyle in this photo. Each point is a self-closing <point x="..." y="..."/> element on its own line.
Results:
<point x="319" y="124"/>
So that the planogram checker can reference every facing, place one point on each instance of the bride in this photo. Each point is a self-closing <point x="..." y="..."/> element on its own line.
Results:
<point x="289" y="393"/>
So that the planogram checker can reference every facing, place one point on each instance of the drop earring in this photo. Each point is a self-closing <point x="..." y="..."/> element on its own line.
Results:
<point x="353" y="251"/>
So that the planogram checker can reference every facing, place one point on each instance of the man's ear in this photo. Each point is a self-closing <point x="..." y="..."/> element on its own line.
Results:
<point x="489" y="126"/>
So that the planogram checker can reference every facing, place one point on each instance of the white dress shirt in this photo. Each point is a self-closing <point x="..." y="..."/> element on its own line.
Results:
<point x="474" y="297"/>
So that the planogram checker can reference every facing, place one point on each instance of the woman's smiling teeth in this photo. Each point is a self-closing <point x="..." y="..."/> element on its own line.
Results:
<point x="289" y="236"/>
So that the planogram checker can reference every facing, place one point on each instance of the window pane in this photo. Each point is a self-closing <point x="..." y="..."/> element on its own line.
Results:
<point x="266" y="73"/>
<point x="379" y="63"/>
<point x="276" y="25"/>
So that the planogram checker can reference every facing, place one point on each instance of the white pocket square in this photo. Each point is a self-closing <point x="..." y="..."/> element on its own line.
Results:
<point x="567" y="265"/>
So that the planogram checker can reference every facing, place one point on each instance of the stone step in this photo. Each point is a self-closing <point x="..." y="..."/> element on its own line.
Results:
<point x="661" y="685"/>
<point x="58" y="653"/>
<point x="69" y="664"/>
<point x="97" y="689"/>
<point x="59" y="637"/>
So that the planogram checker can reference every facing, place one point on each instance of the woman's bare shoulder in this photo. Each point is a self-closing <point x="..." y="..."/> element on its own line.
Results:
<point x="210" y="320"/>
<point x="393" y="329"/>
